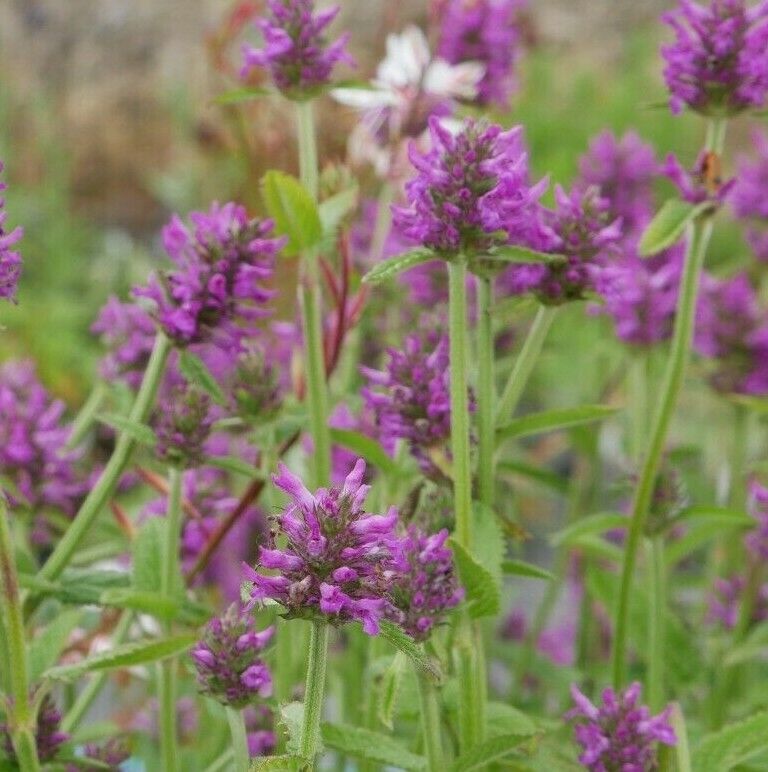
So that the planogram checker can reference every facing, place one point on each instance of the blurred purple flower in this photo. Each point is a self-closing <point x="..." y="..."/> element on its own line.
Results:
<point x="296" y="50"/>
<point x="182" y="425"/>
<point x="484" y="31"/>
<point x="750" y="196"/>
<point x="620" y="735"/>
<point x="259" y="725"/>
<point x="10" y="260"/>
<point x="338" y="561"/>
<point x="108" y="755"/>
<point x="756" y="538"/>
<point x="718" y="64"/>
<point x="725" y="602"/>
<point x="48" y="735"/>
<point x="697" y="185"/>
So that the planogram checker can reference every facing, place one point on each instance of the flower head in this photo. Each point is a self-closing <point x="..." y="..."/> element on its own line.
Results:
<point x="182" y="425"/>
<point x="620" y="735"/>
<point x="718" y="64"/>
<point x="338" y="560"/>
<point x="484" y="31"/>
<point x="426" y="586"/>
<point x="10" y="261"/>
<point x="48" y="736"/>
<point x="750" y="196"/>
<point x="254" y="385"/>
<point x="470" y="192"/>
<point x="296" y="50"/>
<point x="216" y="291"/>
<point x="228" y="659"/>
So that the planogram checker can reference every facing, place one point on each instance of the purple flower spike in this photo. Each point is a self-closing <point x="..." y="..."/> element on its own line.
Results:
<point x="182" y="425"/>
<point x="216" y="292"/>
<point x="48" y="735"/>
<point x="338" y="562"/>
<point x="750" y="196"/>
<point x="470" y="192"/>
<point x="718" y="64"/>
<point x="426" y="586"/>
<point x="484" y="31"/>
<point x="10" y="261"/>
<point x="620" y="735"/>
<point x="296" y="51"/>
<point x="228" y="659"/>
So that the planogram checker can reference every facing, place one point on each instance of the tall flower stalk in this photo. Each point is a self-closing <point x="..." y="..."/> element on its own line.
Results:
<point x="698" y="239"/>
<point x="486" y="392"/>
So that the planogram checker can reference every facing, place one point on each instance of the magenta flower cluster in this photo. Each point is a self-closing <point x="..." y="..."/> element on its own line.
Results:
<point x="718" y="63"/>
<point x="484" y="31"/>
<point x="182" y="425"/>
<point x="48" y="734"/>
<point x="620" y="735"/>
<point x="228" y="659"/>
<point x="296" y="51"/>
<point x="726" y="601"/>
<point x="216" y="291"/>
<point x="699" y="184"/>
<point x="470" y="191"/>
<point x="10" y="260"/>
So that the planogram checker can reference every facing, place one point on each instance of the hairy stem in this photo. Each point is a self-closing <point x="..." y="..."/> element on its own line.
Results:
<point x="657" y="609"/>
<point x="430" y="722"/>
<point x="314" y="692"/>
<point x="236" y="723"/>
<point x="486" y="393"/>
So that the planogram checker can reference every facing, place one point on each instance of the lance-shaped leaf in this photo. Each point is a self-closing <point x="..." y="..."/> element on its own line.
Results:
<point x="365" y="447"/>
<point x="515" y="254"/>
<point x="668" y="225"/>
<point x="553" y="420"/>
<point x="334" y="209"/>
<point x="386" y="269"/>
<point x="141" y="433"/>
<point x="590" y="526"/>
<point x="403" y="642"/>
<point x="482" y="588"/>
<point x="370" y="746"/>
<point x="278" y="763"/>
<point x="236" y="466"/>
<point x="196" y="372"/>
<point x="294" y="211"/>
<point x="389" y="689"/>
<point x="238" y="95"/>
<point x="529" y="570"/>
<point x="483" y="755"/>
<point x="733" y="745"/>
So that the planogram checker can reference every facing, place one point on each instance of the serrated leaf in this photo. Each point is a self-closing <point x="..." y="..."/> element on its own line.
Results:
<point x="732" y="745"/>
<point x="517" y="254"/>
<point x="294" y="211"/>
<point x="489" y="545"/>
<point x="277" y="763"/>
<point x="48" y="643"/>
<point x="403" y="642"/>
<point x="365" y="447"/>
<point x="127" y="655"/>
<point x="238" y="95"/>
<point x="591" y="525"/>
<point x="291" y="717"/>
<point x="197" y="373"/>
<point x="483" y="594"/>
<point x="537" y="474"/>
<point x="236" y="466"/>
<point x="554" y="420"/>
<point x="521" y="568"/>
<point x="144" y="601"/>
<point x="506" y="719"/>
<point x="386" y="269"/>
<point x="334" y="209"/>
<point x="482" y="755"/>
<point x="668" y="225"/>
<point x="75" y="587"/>
<point x="389" y="689"/>
<point x="370" y="746"/>
<point x="141" y="433"/>
<point x="148" y="555"/>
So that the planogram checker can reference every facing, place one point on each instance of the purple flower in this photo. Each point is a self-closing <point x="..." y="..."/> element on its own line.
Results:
<point x="620" y="735"/>
<point x="216" y="291"/>
<point x="228" y="659"/>
<point x="411" y="398"/>
<point x="583" y="231"/>
<point x="338" y="561"/>
<point x="10" y="261"/>
<point x="128" y="332"/>
<point x="426" y="586"/>
<point x="623" y="171"/>
<point x="483" y="31"/>
<point x="750" y="196"/>
<point x="182" y="425"/>
<point x="732" y="332"/>
<point x="296" y="51"/>
<point x="259" y="725"/>
<point x="718" y="64"/>
<point x="725" y="602"/>
<point x="756" y="538"/>
<point x="702" y="183"/>
<point x="48" y="736"/>
<point x="109" y="755"/>
<point x="470" y="192"/>
<point x="34" y="456"/>
<point x="641" y="294"/>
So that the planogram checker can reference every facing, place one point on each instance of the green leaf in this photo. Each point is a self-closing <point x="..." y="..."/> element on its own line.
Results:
<point x="47" y="645"/>
<point x="386" y="269"/>
<point x="598" y="547"/>
<point x="127" y="655"/>
<point x="145" y="601"/>
<point x="75" y="587"/>
<point x="370" y="746"/>
<point x="482" y="589"/>
<point x="236" y="466"/>
<point x="517" y="254"/>
<point x="294" y="211"/>
<point x="365" y="447"/>
<point x="291" y="717"/>
<point x="489" y="545"/>
<point x="278" y="763"/>
<point x="537" y="474"/>
<point x="334" y="209"/>
<point x="481" y="756"/>
<point x="403" y="642"/>
<point x="702" y="530"/>
<point x="554" y="420"/>
<point x="590" y="526"/>
<point x="389" y="689"/>
<point x="732" y="745"/>
<point x="668" y="225"/>
<point x="238" y="95"/>
<point x="148" y="555"/>
<point x="141" y="433"/>
<point x="521" y="568"/>
<point x="754" y="647"/>
<point x="506" y="719"/>
<point x="197" y="373"/>
<point x="724" y="516"/>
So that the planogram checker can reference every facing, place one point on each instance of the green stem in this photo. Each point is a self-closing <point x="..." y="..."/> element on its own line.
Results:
<point x="525" y="362"/>
<point x="668" y="396"/>
<point x="430" y="722"/>
<point x="486" y="392"/>
<point x="239" y="739"/>
<point x="21" y="719"/>
<point x="170" y="581"/>
<point x="314" y="691"/>
<point x="462" y="475"/>
<point x="166" y="688"/>
<point x="656" y="623"/>
<point x="639" y="392"/>
<point x="310" y="299"/>
<point x="470" y="669"/>
<point x="85" y="418"/>
<point x="110" y="476"/>
<point x="682" y="748"/>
